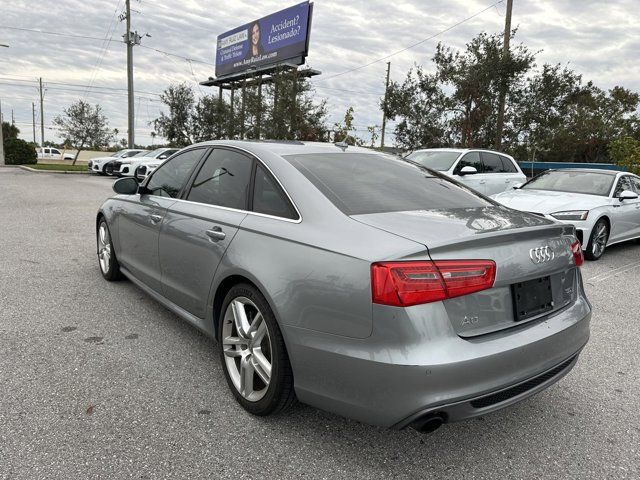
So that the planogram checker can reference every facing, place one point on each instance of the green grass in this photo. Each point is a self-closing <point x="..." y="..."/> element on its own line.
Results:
<point x="59" y="166"/>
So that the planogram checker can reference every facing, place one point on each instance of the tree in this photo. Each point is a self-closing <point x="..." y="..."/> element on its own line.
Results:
<point x="209" y="119"/>
<point x="625" y="152"/>
<point x="177" y="126"/>
<point x="83" y="126"/>
<point x="373" y="132"/>
<point x="9" y="131"/>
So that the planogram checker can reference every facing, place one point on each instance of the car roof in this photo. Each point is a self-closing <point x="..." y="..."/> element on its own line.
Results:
<point x="288" y="147"/>
<point x="460" y="150"/>
<point x="592" y="170"/>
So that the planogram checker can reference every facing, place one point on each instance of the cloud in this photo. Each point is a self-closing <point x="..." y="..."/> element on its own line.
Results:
<point x="596" y="39"/>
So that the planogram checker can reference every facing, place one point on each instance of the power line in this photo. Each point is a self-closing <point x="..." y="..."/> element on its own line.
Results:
<point x="66" y="84"/>
<point x="410" y="46"/>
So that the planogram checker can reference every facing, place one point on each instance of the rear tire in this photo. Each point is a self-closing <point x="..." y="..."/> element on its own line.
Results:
<point x="597" y="240"/>
<point x="253" y="354"/>
<point x="107" y="261"/>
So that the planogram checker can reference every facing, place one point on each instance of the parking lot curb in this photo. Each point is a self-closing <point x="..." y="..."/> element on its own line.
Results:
<point x="29" y="169"/>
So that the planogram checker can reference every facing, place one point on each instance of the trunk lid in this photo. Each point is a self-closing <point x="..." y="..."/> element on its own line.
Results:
<point x="495" y="233"/>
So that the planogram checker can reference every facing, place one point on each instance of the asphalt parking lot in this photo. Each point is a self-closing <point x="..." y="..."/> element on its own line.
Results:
<point x="97" y="380"/>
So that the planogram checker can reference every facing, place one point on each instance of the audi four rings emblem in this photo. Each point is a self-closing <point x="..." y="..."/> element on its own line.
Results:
<point x="541" y="254"/>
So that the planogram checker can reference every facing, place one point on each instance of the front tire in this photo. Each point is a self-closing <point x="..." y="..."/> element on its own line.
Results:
<point x="107" y="261"/>
<point x="253" y="354"/>
<point x="597" y="240"/>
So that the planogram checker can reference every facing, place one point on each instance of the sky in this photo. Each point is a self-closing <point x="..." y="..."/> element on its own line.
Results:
<point x="599" y="40"/>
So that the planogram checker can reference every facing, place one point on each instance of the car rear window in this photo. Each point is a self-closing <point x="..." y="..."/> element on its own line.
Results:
<point x="361" y="183"/>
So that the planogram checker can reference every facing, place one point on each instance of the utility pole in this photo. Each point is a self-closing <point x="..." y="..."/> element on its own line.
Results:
<point x="41" y="117"/>
<point x="384" y="107"/>
<point x="33" y="115"/>
<point x="503" y="81"/>
<point x="130" y="40"/>
<point x="1" y="138"/>
<point x="13" y="119"/>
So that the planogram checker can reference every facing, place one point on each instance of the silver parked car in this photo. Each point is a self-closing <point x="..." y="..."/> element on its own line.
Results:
<point x="486" y="171"/>
<point x="351" y="280"/>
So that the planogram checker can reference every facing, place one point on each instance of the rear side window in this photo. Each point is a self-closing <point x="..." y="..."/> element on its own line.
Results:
<point x="223" y="180"/>
<point x="507" y="165"/>
<point x="492" y="163"/>
<point x="268" y="197"/>
<point x="170" y="178"/>
<point x="471" y="159"/>
<point x="361" y="183"/>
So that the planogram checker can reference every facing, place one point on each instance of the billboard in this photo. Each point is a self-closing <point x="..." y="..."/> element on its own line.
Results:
<point x="273" y="39"/>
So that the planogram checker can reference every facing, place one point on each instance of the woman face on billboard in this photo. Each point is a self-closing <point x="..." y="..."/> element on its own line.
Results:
<point x="255" y="39"/>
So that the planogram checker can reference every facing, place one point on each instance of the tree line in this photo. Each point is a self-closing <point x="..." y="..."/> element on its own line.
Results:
<point x="551" y="113"/>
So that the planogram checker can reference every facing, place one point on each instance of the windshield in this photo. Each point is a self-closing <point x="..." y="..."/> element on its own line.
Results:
<point x="153" y="153"/>
<point x="434" y="159"/>
<point x="590" y="183"/>
<point x="361" y="183"/>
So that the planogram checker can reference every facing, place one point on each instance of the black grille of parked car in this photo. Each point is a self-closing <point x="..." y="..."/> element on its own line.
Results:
<point x="116" y="166"/>
<point x="141" y="170"/>
<point x="518" y="389"/>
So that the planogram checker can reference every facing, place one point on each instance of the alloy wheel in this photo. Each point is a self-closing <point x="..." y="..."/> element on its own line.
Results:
<point x="247" y="348"/>
<point x="600" y="240"/>
<point x="104" y="248"/>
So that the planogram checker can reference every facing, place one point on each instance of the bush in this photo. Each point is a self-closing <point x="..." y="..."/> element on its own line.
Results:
<point x="19" y="152"/>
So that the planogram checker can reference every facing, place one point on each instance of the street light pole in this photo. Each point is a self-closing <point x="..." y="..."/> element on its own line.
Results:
<point x="1" y="134"/>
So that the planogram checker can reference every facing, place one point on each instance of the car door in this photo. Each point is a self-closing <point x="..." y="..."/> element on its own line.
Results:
<point x="624" y="224"/>
<point x="476" y="180"/>
<point x="140" y="220"/>
<point x="198" y="229"/>
<point x="495" y="179"/>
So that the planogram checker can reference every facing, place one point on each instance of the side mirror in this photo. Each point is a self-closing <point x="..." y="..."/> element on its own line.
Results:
<point x="517" y="186"/>
<point x="163" y="156"/>
<point x="126" y="186"/>
<point x="468" y="170"/>
<point x="627" y="195"/>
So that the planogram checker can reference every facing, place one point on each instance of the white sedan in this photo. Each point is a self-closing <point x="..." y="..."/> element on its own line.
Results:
<point x="603" y="205"/>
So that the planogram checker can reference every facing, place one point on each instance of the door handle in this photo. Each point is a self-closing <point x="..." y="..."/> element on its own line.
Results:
<point x="155" y="218"/>
<point x="216" y="234"/>
<point x="482" y="182"/>
<point x="507" y="181"/>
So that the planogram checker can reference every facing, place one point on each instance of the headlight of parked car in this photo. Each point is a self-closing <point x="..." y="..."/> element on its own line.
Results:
<point x="571" y="215"/>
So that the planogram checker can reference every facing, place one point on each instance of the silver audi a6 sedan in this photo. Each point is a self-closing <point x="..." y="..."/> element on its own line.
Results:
<point x="353" y="281"/>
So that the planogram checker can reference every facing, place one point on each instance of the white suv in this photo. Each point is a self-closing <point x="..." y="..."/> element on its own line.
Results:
<point x="99" y="164"/>
<point x="485" y="171"/>
<point x="127" y="167"/>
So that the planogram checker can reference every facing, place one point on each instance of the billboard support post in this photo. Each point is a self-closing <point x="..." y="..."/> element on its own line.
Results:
<point x="220" y="111"/>
<point x="259" y="116"/>
<point x="242" y="108"/>
<point x="294" y="117"/>
<point x="231" y="125"/>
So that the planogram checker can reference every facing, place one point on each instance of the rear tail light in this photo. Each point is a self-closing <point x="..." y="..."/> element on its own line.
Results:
<point x="578" y="256"/>
<point x="403" y="284"/>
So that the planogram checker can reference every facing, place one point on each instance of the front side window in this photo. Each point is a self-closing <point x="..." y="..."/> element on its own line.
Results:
<point x="471" y="159"/>
<point x="624" y="183"/>
<point x="223" y="180"/>
<point x="492" y="163"/>
<point x="170" y="178"/>
<point x="635" y="182"/>
<point x="362" y="183"/>
<point x="55" y="151"/>
<point x="268" y="197"/>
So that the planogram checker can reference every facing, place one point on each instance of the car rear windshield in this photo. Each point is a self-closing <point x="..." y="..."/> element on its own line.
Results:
<point x="361" y="183"/>
<point x="591" y="183"/>
<point x="434" y="159"/>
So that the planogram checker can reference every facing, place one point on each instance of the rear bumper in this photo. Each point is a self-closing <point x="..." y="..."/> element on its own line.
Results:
<point x="415" y="364"/>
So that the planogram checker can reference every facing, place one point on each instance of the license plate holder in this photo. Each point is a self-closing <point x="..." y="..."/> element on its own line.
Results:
<point x="531" y="298"/>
